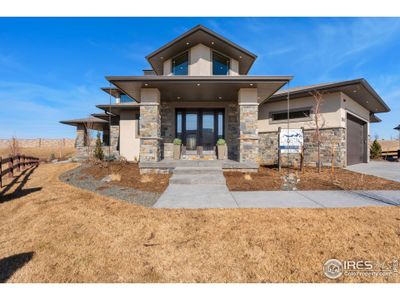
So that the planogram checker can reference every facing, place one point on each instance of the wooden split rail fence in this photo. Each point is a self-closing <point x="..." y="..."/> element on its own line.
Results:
<point x="16" y="163"/>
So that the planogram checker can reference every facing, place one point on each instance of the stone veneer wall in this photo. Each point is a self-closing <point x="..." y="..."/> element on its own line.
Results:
<point x="249" y="139"/>
<point x="332" y="138"/>
<point x="167" y="129"/>
<point x="232" y="133"/>
<point x="83" y="151"/>
<point x="150" y="133"/>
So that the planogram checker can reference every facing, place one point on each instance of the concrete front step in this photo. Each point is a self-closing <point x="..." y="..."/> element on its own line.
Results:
<point x="198" y="179"/>
<point x="198" y="170"/>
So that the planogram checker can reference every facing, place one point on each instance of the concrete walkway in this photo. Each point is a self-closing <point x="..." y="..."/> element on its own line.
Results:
<point x="211" y="196"/>
<point x="202" y="186"/>
<point x="385" y="169"/>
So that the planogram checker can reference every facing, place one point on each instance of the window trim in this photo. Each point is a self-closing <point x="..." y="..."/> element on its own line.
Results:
<point x="188" y="60"/>
<point x="212" y="63"/>
<point x="309" y="118"/>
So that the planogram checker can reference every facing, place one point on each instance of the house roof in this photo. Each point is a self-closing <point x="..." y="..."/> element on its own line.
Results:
<point x="200" y="88"/>
<point x="91" y="122"/>
<point x="116" y="108"/>
<point x="374" y="119"/>
<point x="357" y="89"/>
<point x="103" y="116"/>
<point x="201" y="35"/>
<point x="112" y="91"/>
<point x="397" y="128"/>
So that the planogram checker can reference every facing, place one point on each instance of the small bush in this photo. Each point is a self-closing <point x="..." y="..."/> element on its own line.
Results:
<point x="221" y="142"/>
<point x="177" y="141"/>
<point x="98" y="151"/>
<point x="375" y="149"/>
<point x="52" y="157"/>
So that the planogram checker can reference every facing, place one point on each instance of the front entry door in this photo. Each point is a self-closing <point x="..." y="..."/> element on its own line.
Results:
<point x="199" y="127"/>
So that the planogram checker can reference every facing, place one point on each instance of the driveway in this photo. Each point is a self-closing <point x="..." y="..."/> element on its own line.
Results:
<point x="385" y="169"/>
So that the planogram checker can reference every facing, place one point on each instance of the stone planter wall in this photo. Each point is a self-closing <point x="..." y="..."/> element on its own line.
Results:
<point x="332" y="139"/>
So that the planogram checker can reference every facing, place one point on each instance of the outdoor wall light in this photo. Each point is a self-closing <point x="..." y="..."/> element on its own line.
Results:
<point x="146" y="84"/>
<point x="187" y="43"/>
<point x="219" y="97"/>
<point x="198" y="84"/>
<point x="178" y="98"/>
<point x="251" y="84"/>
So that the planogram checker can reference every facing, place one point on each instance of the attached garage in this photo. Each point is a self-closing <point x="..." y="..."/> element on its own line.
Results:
<point x="357" y="135"/>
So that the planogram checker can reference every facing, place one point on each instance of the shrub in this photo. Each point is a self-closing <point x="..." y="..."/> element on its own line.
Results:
<point x="375" y="149"/>
<point x="177" y="141"/>
<point x="98" y="151"/>
<point x="221" y="142"/>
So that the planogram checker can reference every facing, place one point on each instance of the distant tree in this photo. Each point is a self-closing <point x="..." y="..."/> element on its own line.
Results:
<point x="98" y="151"/>
<point x="375" y="149"/>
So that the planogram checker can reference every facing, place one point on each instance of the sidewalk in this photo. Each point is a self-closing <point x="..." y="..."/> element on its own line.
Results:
<point x="205" y="196"/>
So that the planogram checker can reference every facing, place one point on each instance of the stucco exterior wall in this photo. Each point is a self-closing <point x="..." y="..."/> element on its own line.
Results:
<point x="330" y="110"/>
<point x="129" y="138"/>
<point x="167" y="67"/>
<point x="200" y="61"/>
<point x="234" y="67"/>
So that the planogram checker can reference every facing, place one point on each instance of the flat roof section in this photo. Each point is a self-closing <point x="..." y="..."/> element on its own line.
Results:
<point x="200" y="88"/>
<point x="357" y="89"/>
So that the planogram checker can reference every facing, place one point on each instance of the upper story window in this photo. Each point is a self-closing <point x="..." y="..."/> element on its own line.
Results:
<point x="220" y="64"/>
<point x="125" y="98"/>
<point x="180" y="64"/>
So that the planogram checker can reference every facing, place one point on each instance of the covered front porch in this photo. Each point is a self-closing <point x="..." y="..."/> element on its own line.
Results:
<point x="199" y="110"/>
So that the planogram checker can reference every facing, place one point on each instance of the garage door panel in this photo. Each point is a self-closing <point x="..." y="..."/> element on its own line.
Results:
<point x="356" y="147"/>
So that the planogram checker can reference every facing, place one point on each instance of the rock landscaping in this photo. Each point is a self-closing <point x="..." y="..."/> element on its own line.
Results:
<point x="118" y="180"/>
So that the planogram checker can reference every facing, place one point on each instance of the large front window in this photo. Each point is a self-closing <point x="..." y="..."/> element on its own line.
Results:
<point x="180" y="64"/>
<point x="220" y="64"/>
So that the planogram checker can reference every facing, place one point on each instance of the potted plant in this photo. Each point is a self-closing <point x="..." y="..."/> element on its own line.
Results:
<point x="221" y="149"/>
<point x="177" y="148"/>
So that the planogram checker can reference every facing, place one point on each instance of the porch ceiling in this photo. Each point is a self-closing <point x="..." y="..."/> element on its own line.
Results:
<point x="201" y="88"/>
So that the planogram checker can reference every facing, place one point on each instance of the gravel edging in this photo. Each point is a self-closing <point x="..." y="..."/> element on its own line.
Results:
<point x="76" y="178"/>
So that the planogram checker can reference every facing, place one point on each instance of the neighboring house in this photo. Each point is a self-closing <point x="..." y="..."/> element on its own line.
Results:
<point x="198" y="90"/>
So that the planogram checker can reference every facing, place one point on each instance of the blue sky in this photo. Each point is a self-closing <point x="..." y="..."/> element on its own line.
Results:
<point x="51" y="69"/>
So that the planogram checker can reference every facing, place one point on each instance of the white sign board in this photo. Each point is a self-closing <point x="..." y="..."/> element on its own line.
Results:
<point x="291" y="140"/>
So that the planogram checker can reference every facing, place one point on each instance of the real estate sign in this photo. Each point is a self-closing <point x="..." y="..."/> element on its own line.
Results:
<point x="290" y="140"/>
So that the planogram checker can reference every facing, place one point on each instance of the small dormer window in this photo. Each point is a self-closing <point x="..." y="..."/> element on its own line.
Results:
<point x="180" y="64"/>
<point x="220" y="64"/>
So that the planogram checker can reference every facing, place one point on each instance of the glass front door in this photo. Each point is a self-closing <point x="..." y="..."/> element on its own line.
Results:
<point x="199" y="127"/>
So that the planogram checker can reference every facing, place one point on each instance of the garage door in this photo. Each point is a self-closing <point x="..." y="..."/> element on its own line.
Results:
<point x="356" y="137"/>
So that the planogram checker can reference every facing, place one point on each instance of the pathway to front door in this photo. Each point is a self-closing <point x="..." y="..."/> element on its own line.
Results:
<point x="200" y="184"/>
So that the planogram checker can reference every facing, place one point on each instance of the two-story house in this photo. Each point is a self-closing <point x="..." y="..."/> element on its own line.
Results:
<point x="199" y="90"/>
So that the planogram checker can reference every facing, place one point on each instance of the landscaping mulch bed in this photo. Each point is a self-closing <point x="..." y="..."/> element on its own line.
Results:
<point x="130" y="176"/>
<point x="132" y="187"/>
<point x="270" y="179"/>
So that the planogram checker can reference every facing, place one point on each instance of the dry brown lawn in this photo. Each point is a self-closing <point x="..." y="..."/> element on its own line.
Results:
<point x="53" y="232"/>
<point x="270" y="179"/>
<point x="43" y="153"/>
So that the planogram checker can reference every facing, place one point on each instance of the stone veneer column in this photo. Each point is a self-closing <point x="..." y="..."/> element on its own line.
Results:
<point x="248" y="117"/>
<point x="81" y="133"/>
<point x="150" y="125"/>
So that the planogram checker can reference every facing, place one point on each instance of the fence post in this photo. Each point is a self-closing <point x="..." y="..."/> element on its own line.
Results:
<point x="11" y="166"/>
<point x="1" y="172"/>
<point x="18" y="161"/>
<point x="22" y="162"/>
